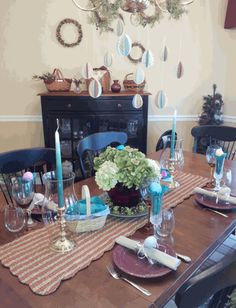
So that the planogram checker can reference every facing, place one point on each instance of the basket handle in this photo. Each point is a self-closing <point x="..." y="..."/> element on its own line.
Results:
<point x="58" y="74"/>
<point x="128" y="75"/>
<point x="86" y="195"/>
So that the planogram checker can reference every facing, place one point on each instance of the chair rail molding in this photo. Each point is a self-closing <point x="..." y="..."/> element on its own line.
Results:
<point x="151" y="118"/>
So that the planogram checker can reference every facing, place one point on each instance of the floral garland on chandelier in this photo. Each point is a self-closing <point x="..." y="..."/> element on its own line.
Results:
<point x="106" y="12"/>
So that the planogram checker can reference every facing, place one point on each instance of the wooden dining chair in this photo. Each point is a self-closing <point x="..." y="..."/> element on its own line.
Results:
<point x="93" y="144"/>
<point x="164" y="140"/>
<point x="213" y="285"/>
<point x="16" y="162"/>
<point x="205" y="135"/>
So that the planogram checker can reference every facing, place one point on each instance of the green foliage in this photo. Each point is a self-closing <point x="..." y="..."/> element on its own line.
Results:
<point x="132" y="168"/>
<point x="212" y="109"/>
<point x="47" y="77"/>
<point x="107" y="12"/>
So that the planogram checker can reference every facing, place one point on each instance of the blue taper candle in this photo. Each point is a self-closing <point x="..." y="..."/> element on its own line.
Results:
<point x="59" y="168"/>
<point x="172" y="145"/>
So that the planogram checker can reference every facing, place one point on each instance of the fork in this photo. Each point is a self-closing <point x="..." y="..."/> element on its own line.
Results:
<point x="115" y="275"/>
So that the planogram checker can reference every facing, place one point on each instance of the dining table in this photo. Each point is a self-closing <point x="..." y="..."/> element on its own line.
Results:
<point x="197" y="233"/>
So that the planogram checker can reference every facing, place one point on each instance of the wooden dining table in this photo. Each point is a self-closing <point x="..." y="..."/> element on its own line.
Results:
<point x="198" y="232"/>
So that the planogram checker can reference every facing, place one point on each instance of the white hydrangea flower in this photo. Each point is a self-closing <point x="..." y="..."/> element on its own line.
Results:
<point x="106" y="176"/>
<point x="155" y="166"/>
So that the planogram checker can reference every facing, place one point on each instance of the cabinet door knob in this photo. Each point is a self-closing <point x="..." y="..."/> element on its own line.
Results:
<point x="119" y="105"/>
<point x="69" y="105"/>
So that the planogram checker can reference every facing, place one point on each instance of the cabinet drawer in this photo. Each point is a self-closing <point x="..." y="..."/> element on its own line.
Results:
<point x="88" y="104"/>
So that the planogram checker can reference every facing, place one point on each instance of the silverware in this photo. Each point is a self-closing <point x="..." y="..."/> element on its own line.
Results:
<point x="186" y="259"/>
<point x="219" y="213"/>
<point x="115" y="275"/>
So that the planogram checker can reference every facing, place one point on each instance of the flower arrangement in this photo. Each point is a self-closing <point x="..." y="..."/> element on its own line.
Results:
<point x="125" y="165"/>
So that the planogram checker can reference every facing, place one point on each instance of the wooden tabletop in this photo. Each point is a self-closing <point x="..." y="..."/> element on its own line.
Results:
<point x="197" y="233"/>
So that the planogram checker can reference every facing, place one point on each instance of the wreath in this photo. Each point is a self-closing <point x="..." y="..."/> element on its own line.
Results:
<point x="142" y="49"/>
<point x="78" y="28"/>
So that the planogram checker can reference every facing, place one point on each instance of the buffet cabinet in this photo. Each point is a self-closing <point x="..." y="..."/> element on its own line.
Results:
<point x="81" y="115"/>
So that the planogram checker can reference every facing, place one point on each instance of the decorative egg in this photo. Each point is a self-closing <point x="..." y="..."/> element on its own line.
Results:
<point x="164" y="54"/>
<point x="148" y="59"/>
<point x="137" y="101"/>
<point x="95" y="88"/>
<point x="87" y="71"/>
<point x="117" y="48"/>
<point x="108" y="58"/>
<point x="150" y="242"/>
<point x="161" y="99"/>
<point x="119" y="27"/>
<point x="180" y="70"/>
<point x="124" y="45"/>
<point x="139" y="76"/>
<point x="28" y="176"/>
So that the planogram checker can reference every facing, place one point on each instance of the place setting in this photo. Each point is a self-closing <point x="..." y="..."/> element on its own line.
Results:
<point x="217" y="195"/>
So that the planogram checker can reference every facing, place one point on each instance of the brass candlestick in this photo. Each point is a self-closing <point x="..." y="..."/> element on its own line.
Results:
<point x="62" y="244"/>
<point x="171" y="168"/>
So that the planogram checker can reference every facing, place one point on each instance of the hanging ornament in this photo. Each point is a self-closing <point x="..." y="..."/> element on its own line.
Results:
<point x="161" y="99"/>
<point x="87" y="71"/>
<point x="108" y="58"/>
<point x="137" y="101"/>
<point x="95" y="88"/>
<point x="124" y="45"/>
<point x="135" y="19"/>
<point x="139" y="76"/>
<point x="164" y="54"/>
<point x="148" y="59"/>
<point x="117" y="48"/>
<point x="119" y="30"/>
<point x="180" y="70"/>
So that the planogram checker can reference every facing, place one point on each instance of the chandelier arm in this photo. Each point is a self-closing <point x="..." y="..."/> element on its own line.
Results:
<point x="187" y="2"/>
<point x="159" y="6"/>
<point x="86" y="10"/>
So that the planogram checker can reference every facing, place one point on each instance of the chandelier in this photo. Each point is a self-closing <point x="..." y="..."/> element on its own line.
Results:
<point x="104" y="12"/>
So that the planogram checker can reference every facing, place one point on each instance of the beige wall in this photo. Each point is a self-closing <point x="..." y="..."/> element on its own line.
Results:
<point x="28" y="46"/>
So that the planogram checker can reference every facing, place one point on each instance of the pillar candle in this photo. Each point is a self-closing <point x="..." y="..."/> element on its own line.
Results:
<point x="172" y="145"/>
<point x="59" y="169"/>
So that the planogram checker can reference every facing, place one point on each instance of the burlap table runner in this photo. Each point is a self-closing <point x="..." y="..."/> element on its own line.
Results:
<point x="30" y="259"/>
<point x="187" y="182"/>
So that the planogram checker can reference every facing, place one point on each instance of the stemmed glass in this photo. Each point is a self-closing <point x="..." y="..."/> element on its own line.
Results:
<point x="23" y="193"/>
<point x="211" y="160"/>
<point x="164" y="225"/>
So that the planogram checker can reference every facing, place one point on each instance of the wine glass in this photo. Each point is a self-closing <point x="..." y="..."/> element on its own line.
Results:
<point x="14" y="218"/>
<point x="211" y="160"/>
<point x="23" y="193"/>
<point x="164" y="225"/>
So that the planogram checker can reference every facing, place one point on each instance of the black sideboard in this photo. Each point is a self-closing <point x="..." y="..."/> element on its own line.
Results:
<point x="81" y="115"/>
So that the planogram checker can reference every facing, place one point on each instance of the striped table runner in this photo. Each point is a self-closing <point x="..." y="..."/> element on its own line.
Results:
<point x="187" y="182"/>
<point x="30" y="259"/>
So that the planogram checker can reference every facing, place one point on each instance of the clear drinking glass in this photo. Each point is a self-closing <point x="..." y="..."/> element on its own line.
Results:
<point x="14" y="218"/>
<point x="23" y="193"/>
<point x="211" y="160"/>
<point x="164" y="227"/>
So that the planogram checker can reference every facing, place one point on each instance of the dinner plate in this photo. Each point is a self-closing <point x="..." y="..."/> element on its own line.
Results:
<point x="211" y="203"/>
<point x="127" y="261"/>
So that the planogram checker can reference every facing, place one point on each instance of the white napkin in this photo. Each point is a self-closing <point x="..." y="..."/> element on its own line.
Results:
<point x="38" y="200"/>
<point x="152" y="253"/>
<point x="214" y="194"/>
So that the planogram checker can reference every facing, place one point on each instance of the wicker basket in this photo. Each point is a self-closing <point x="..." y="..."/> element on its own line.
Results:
<point x="60" y="84"/>
<point x="130" y="85"/>
<point x="92" y="222"/>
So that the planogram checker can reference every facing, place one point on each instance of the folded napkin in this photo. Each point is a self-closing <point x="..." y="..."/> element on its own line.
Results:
<point x="218" y="195"/>
<point x="152" y="253"/>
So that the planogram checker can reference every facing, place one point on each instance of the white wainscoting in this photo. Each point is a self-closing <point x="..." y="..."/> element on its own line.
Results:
<point x="151" y="118"/>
